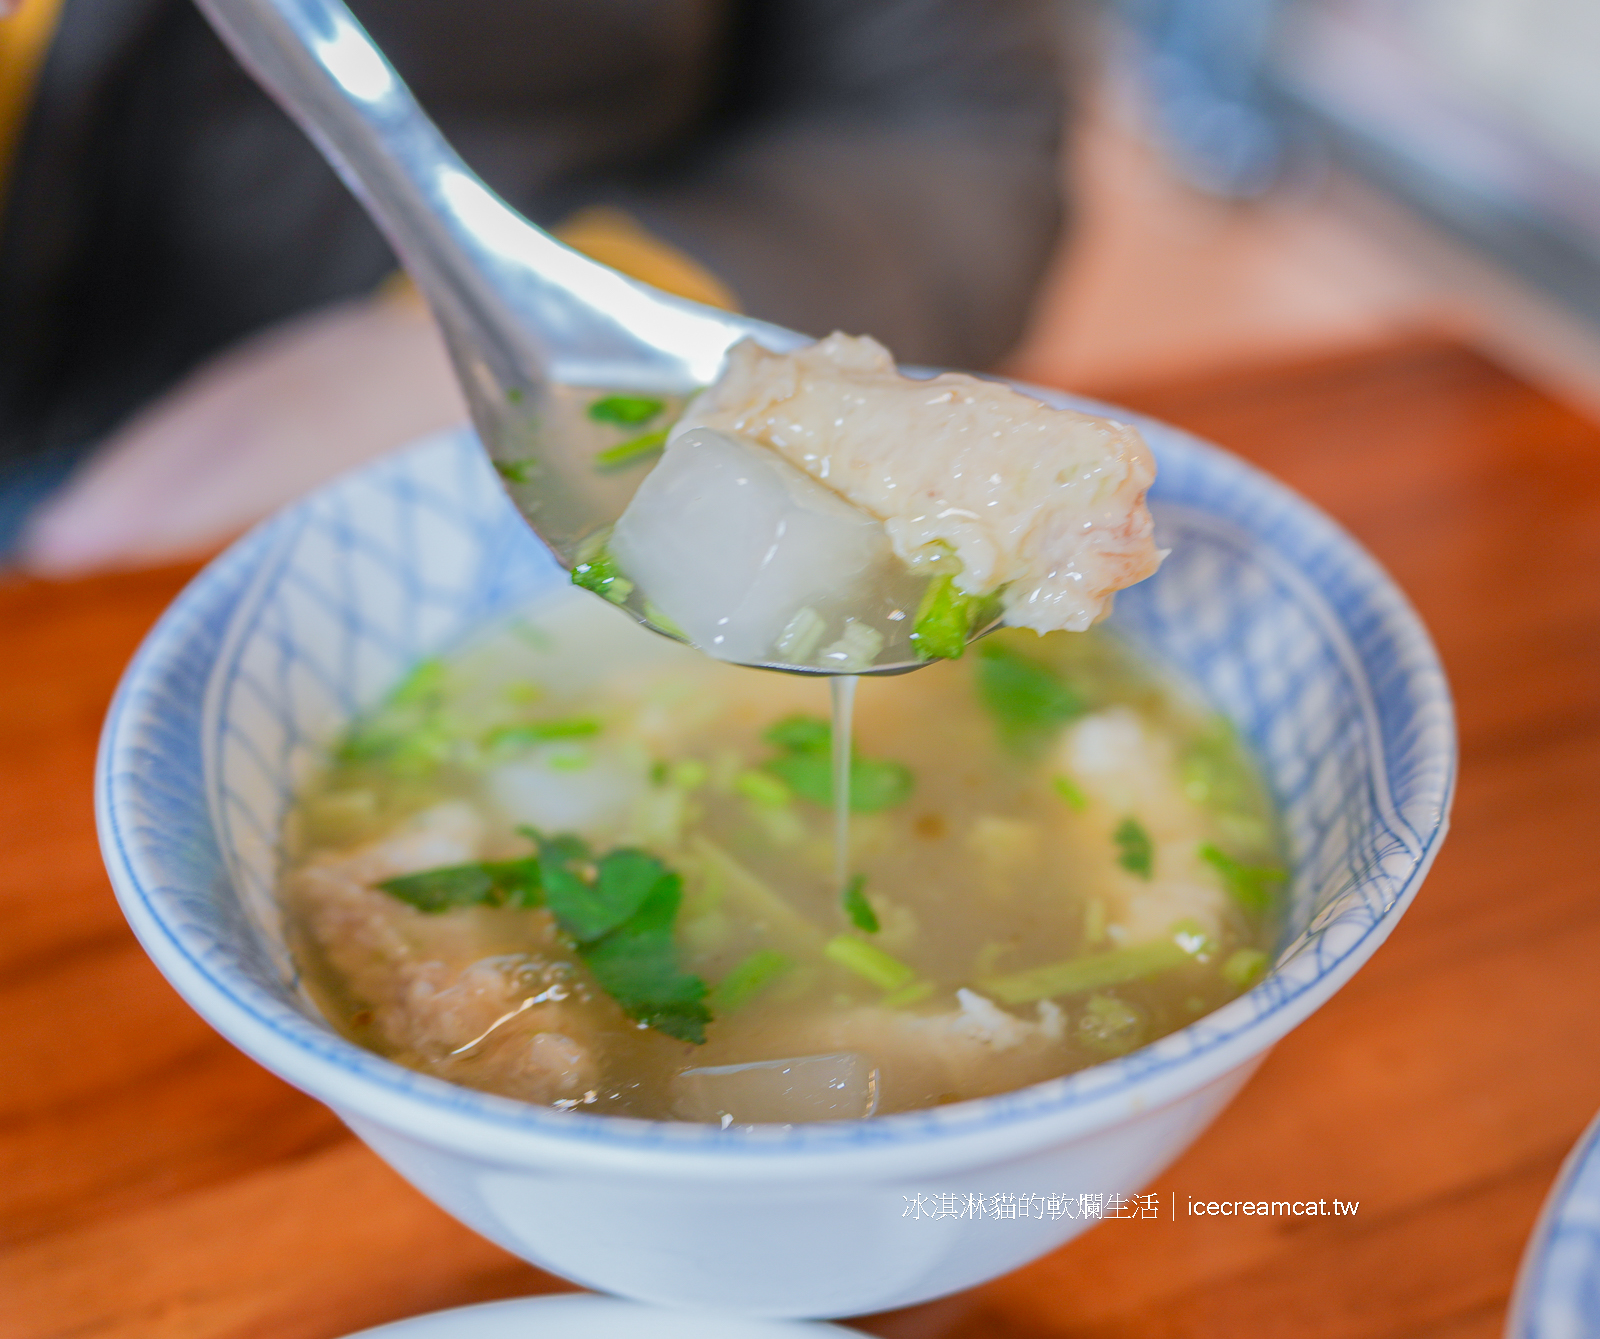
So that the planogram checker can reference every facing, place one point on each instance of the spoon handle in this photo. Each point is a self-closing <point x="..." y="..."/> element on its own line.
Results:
<point x="516" y="306"/>
<point x="320" y="65"/>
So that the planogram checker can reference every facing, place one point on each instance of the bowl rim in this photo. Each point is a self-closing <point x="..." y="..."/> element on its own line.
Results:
<point x="1538" y="1287"/>
<point x="978" y="1131"/>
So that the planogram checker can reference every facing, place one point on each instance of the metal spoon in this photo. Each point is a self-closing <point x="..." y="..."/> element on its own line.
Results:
<point x="519" y="311"/>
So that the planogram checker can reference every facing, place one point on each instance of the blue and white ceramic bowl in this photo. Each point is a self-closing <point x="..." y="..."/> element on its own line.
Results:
<point x="1292" y="629"/>
<point x="1558" y="1286"/>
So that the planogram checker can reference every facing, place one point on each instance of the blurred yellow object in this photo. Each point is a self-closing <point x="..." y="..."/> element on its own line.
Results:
<point x="616" y="239"/>
<point x="25" y="33"/>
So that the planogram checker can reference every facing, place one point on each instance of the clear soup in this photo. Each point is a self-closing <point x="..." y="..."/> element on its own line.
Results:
<point x="578" y="864"/>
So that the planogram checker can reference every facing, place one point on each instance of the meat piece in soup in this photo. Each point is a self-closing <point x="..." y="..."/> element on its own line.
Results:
<point x="584" y="866"/>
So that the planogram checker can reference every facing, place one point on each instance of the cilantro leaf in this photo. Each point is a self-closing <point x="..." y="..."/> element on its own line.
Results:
<point x="619" y="912"/>
<point x="799" y="734"/>
<point x="1137" y="852"/>
<point x="805" y="765"/>
<point x="627" y="411"/>
<point x="874" y="783"/>
<point x="490" y="883"/>
<point x="637" y="964"/>
<point x="1027" y="699"/>
<point x="1251" y="886"/>
<point x="570" y="887"/>
<point x="625" y="881"/>
<point x="857" y="908"/>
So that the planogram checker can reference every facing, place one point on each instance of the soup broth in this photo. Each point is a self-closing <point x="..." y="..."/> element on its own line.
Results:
<point x="581" y="865"/>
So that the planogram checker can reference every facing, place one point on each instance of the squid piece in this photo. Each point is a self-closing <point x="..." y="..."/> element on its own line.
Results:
<point x="1047" y="504"/>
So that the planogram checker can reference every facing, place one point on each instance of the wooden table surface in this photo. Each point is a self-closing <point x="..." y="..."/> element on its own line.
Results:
<point x="153" y="1181"/>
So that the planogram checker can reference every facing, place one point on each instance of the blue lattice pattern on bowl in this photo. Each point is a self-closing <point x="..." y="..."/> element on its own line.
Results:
<point x="1275" y="613"/>
<point x="1558" y="1286"/>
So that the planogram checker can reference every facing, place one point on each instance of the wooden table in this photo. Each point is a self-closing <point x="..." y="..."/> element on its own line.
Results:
<point x="153" y="1181"/>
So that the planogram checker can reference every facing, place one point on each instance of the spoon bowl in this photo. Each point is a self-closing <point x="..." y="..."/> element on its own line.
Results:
<point x="521" y="313"/>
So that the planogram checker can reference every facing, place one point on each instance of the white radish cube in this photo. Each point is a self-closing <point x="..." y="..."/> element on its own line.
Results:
<point x="733" y="544"/>
<point x="566" y="789"/>
<point x="779" y="1092"/>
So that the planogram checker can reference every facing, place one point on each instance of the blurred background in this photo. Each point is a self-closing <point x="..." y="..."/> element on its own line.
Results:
<point x="1357" y="241"/>
<point x="1239" y="181"/>
<point x="1271" y="178"/>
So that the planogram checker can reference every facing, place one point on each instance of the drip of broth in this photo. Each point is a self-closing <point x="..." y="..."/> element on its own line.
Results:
<point x="842" y="692"/>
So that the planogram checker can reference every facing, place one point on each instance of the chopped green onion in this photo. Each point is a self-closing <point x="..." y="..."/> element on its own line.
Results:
<point x="1109" y="1025"/>
<point x="1136" y="852"/>
<point x="573" y="760"/>
<point x="868" y="960"/>
<point x="409" y="748"/>
<point x="627" y="411"/>
<point x="1094" y="921"/>
<point x="1090" y="972"/>
<point x="690" y="774"/>
<point x="1070" y="791"/>
<point x="800" y="635"/>
<point x="762" y="788"/>
<point x="659" y="617"/>
<point x="1249" y="885"/>
<point x="1189" y="935"/>
<point x="408" y="731"/>
<point x="944" y="620"/>
<point x="632" y="451"/>
<point x="758" y="900"/>
<point x="747" y="980"/>
<point x="423" y="686"/>
<point x="938" y="557"/>
<point x="987" y="956"/>
<point x="857" y="908"/>
<point x="598" y="572"/>
<point x="525" y="734"/>
<point x="912" y="994"/>
<point x="1215" y="770"/>
<point x="1244" y="967"/>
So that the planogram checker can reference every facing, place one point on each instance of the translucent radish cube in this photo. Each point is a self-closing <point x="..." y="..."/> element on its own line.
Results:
<point x="779" y="1092"/>
<point x="733" y="544"/>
